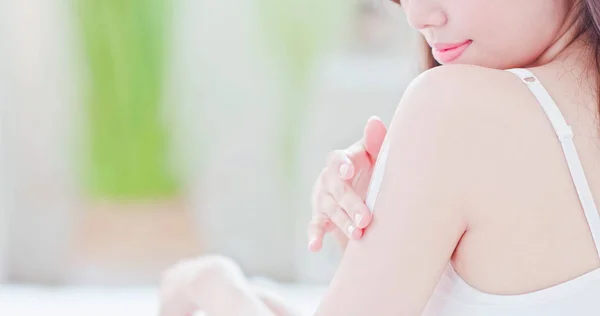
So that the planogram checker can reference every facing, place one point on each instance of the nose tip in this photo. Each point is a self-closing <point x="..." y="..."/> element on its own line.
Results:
<point x="422" y="18"/>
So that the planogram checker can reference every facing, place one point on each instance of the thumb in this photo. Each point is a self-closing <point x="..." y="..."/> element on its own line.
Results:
<point x="373" y="136"/>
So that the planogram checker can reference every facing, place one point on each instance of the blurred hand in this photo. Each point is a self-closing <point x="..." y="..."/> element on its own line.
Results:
<point x="211" y="285"/>
<point x="185" y="287"/>
<point x="338" y="198"/>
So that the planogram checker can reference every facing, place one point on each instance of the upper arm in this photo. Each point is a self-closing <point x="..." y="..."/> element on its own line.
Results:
<point x="419" y="212"/>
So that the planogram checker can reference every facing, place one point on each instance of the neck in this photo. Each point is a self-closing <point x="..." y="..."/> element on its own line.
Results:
<point x="568" y="43"/>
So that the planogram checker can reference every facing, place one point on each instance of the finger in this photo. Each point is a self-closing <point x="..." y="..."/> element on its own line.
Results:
<point x="335" y="187"/>
<point x="316" y="231"/>
<point x="318" y="189"/>
<point x="364" y="152"/>
<point x="373" y="136"/>
<point x="355" y="208"/>
<point x="357" y="153"/>
<point x="347" y="198"/>
<point x="316" y="236"/>
<point x="341" y="220"/>
<point x="339" y="162"/>
<point x="338" y="216"/>
<point x="329" y="226"/>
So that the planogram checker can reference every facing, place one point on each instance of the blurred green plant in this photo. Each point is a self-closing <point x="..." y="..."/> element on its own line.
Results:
<point x="300" y="32"/>
<point x="124" y="46"/>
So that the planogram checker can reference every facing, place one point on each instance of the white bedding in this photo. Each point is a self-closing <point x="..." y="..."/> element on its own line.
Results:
<point x="71" y="301"/>
<point x="75" y="301"/>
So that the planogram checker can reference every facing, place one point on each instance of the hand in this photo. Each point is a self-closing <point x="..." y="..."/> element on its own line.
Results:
<point x="213" y="285"/>
<point x="338" y="199"/>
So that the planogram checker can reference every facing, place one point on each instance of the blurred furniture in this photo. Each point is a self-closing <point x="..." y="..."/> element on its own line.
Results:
<point x="120" y="243"/>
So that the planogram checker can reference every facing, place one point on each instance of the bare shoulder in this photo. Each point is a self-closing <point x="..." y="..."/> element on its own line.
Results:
<point x="467" y="99"/>
<point x="470" y="116"/>
<point x="462" y="86"/>
<point x="462" y="99"/>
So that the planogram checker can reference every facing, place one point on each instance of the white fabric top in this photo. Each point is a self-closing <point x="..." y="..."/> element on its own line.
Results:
<point x="580" y="296"/>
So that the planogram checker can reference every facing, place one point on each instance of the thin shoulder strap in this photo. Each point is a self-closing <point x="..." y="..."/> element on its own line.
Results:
<point x="565" y="135"/>
<point x="377" y="175"/>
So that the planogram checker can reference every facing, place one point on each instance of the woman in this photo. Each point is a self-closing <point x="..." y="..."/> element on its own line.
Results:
<point x="483" y="206"/>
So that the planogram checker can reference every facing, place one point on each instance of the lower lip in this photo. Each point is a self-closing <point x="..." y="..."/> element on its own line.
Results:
<point x="450" y="55"/>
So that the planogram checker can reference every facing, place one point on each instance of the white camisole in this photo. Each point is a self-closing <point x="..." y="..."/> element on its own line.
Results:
<point x="580" y="296"/>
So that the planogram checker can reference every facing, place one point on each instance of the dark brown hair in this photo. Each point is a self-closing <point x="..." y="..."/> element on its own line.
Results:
<point x="589" y="20"/>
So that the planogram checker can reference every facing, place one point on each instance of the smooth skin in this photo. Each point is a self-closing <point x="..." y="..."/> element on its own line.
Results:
<point x="475" y="175"/>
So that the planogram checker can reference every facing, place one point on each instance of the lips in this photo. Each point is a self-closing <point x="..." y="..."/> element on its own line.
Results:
<point x="448" y="52"/>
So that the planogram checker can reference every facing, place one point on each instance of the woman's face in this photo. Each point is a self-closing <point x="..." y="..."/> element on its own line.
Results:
<point x="491" y="33"/>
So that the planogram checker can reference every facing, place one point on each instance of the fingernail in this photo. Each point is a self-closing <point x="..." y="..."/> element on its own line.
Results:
<point x="358" y="218"/>
<point x="351" y="230"/>
<point x="343" y="170"/>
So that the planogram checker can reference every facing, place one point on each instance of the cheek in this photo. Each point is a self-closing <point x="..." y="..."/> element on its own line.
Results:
<point x="508" y="36"/>
<point x="507" y="46"/>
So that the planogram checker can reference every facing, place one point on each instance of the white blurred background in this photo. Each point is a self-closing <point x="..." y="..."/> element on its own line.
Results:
<point x="137" y="133"/>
